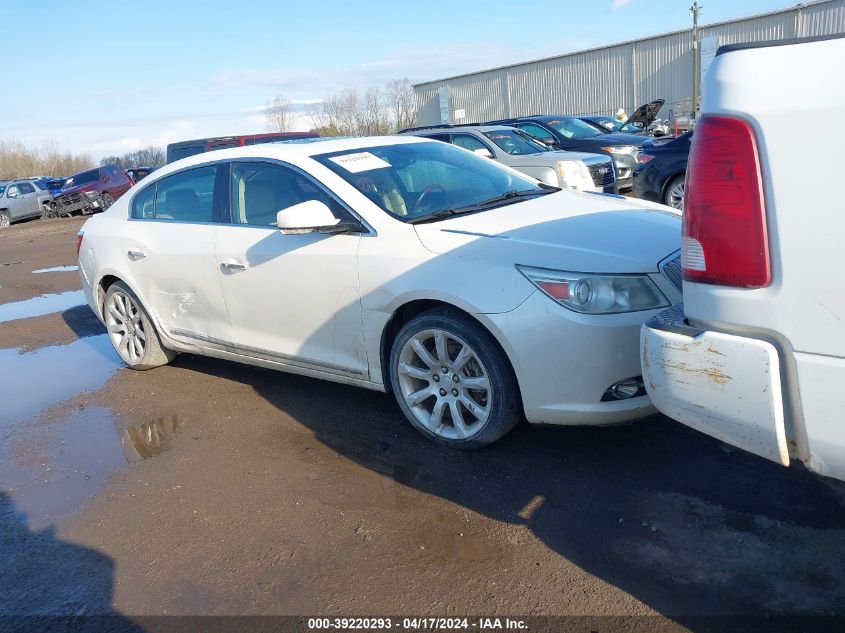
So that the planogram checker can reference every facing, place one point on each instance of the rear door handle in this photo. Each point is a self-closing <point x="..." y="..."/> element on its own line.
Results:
<point x="136" y="254"/>
<point x="233" y="266"/>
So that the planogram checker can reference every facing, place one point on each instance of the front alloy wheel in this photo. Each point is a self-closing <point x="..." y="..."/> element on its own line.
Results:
<point x="675" y="193"/>
<point x="453" y="381"/>
<point x="444" y="384"/>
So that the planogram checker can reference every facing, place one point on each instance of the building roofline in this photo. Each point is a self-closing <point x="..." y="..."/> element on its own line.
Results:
<point x="794" y="7"/>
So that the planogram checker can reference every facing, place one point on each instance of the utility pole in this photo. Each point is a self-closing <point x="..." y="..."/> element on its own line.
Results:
<point x="694" y="11"/>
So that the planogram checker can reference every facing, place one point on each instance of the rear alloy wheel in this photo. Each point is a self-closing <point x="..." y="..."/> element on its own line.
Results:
<point x="674" y="196"/>
<point x="130" y="330"/>
<point x="453" y="382"/>
<point x="5" y="219"/>
<point x="107" y="201"/>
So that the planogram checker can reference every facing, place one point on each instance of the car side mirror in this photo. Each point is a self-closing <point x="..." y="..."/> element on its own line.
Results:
<point x="311" y="216"/>
<point x="482" y="151"/>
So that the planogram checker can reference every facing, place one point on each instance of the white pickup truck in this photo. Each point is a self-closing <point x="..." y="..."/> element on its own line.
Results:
<point x="756" y="354"/>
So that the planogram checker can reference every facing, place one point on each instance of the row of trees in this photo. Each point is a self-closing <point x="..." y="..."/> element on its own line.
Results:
<point x="374" y="112"/>
<point x="19" y="161"/>
<point x="151" y="156"/>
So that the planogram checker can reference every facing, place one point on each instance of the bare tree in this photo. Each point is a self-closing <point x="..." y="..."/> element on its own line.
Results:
<point x="402" y="103"/>
<point x="151" y="156"/>
<point x="278" y="114"/>
<point x="19" y="161"/>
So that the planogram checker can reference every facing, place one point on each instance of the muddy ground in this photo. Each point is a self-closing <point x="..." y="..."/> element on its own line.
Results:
<point x="207" y="487"/>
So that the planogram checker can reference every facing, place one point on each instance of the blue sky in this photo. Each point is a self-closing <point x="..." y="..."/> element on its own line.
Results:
<point x="110" y="77"/>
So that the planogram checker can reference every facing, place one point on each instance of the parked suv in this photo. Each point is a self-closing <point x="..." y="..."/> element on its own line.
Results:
<point x="571" y="133"/>
<point x="572" y="170"/>
<point x="21" y="200"/>
<point x="183" y="149"/>
<point x="90" y="191"/>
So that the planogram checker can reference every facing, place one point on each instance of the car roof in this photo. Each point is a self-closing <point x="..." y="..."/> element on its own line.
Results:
<point x="458" y="128"/>
<point x="296" y="148"/>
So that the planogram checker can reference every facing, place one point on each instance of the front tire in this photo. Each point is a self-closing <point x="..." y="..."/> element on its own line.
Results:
<point x="131" y="331"/>
<point x="674" y="196"/>
<point x="5" y="219"/>
<point x="452" y="380"/>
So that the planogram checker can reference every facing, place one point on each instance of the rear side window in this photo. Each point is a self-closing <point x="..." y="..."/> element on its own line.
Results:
<point x="25" y="187"/>
<point x="468" y="142"/>
<point x="177" y="153"/>
<point x="186" y="196"/>
<point x="536" y="131"/>
<point x="143" y="204"/>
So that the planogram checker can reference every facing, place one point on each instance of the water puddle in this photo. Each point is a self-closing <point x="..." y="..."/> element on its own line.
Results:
<point x="56" y="269"/>
<point x="41" y="305"/>
<point x="52" y="468"/>
<point x="34" y="381"/>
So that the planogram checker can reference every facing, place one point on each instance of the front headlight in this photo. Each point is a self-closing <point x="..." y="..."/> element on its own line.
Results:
<point x="574" y="174"/>
<point x="621" y="149"/>
<point x="597" y="294"/>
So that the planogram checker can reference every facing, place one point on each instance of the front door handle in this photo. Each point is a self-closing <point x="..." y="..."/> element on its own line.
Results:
<point x="136" y="254"/>
<point x="233" y="266"/>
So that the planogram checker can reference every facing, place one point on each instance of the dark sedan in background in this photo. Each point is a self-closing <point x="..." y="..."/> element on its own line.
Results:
<point x="661" y="170"/>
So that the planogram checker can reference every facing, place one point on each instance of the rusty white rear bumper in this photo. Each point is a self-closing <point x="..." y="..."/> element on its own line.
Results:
<point x="723" y="385"/>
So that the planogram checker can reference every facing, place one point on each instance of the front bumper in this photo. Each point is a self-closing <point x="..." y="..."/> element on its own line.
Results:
<point x="625" y="165"/>
<point x="723" y="385"/>
<point x="565" y="361"/>
<point x="75" y="203"/>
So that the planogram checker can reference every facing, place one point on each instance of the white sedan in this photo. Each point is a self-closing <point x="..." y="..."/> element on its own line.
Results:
<point x="477" y="295"/>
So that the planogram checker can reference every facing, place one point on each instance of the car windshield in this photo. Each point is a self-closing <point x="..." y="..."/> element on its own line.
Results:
<point x="417" y="181"/>
<point x="571" y="127"/>
<point x="92" y="175"/>
<point x="515" y="143"/>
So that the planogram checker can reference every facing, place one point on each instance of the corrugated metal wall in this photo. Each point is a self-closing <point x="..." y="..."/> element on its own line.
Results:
<point x="601" y="80"/>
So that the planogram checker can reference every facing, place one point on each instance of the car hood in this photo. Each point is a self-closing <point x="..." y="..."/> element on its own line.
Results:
<point x="75" y="189"/>
<point x="646" y="113"/>
<point x="548" y="159"/>
<point x="616" y="138"/>
<point x="567" y="230"/>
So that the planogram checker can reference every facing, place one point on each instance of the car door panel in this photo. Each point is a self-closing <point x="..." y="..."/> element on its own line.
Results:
<point x="294" y="297"/>
<point x="297" y="297"/>
<point x="171" y="254"/>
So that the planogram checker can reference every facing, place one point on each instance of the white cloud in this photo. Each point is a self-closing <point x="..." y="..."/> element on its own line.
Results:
<point x="618" y="4"/>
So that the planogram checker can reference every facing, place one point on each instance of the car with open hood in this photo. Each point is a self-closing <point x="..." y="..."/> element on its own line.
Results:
<point x="637" y="123"/>
<point x="477" y="295"/>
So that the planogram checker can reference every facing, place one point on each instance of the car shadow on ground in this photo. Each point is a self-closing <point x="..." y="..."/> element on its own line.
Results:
<point x="51" y="584"/>
<point x="682" y="522"/>
<point x="82" y="321"/>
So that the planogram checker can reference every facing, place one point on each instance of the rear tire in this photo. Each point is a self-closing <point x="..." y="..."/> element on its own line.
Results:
<point x="452" y="380"/>
<point x="131" y="331"/>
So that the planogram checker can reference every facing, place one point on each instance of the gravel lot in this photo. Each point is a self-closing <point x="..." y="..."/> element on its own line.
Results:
<point x="207" y="487"/>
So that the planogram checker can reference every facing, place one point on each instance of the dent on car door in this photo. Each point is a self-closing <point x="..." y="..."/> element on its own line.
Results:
<point x="291" y="298"/>
<point x="169" y="251"/>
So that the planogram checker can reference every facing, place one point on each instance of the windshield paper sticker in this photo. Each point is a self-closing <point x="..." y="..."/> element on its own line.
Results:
<point x="362" y="161"/>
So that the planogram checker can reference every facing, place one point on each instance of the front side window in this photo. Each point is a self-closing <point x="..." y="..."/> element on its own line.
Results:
<point x="186" y="196"/>
<point x="515" y="143"/>
<point x="13" y="191"/>
<point x="415" y="181"/>
<point x="570" y="127"/>
<point x="468" y="141"/>
<point x="260" y="190"/>
<point x="25" y="187"/>
<point x="537" y="132"/>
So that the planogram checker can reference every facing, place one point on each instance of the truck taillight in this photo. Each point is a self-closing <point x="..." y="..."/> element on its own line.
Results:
<point x="79" y="237"/>
<point x="724" y="236"/>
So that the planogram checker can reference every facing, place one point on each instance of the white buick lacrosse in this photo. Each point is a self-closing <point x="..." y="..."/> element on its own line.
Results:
<point x="477" y="295"/>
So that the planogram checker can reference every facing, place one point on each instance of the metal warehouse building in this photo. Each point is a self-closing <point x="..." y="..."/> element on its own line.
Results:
<point x="601" y="80"/>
